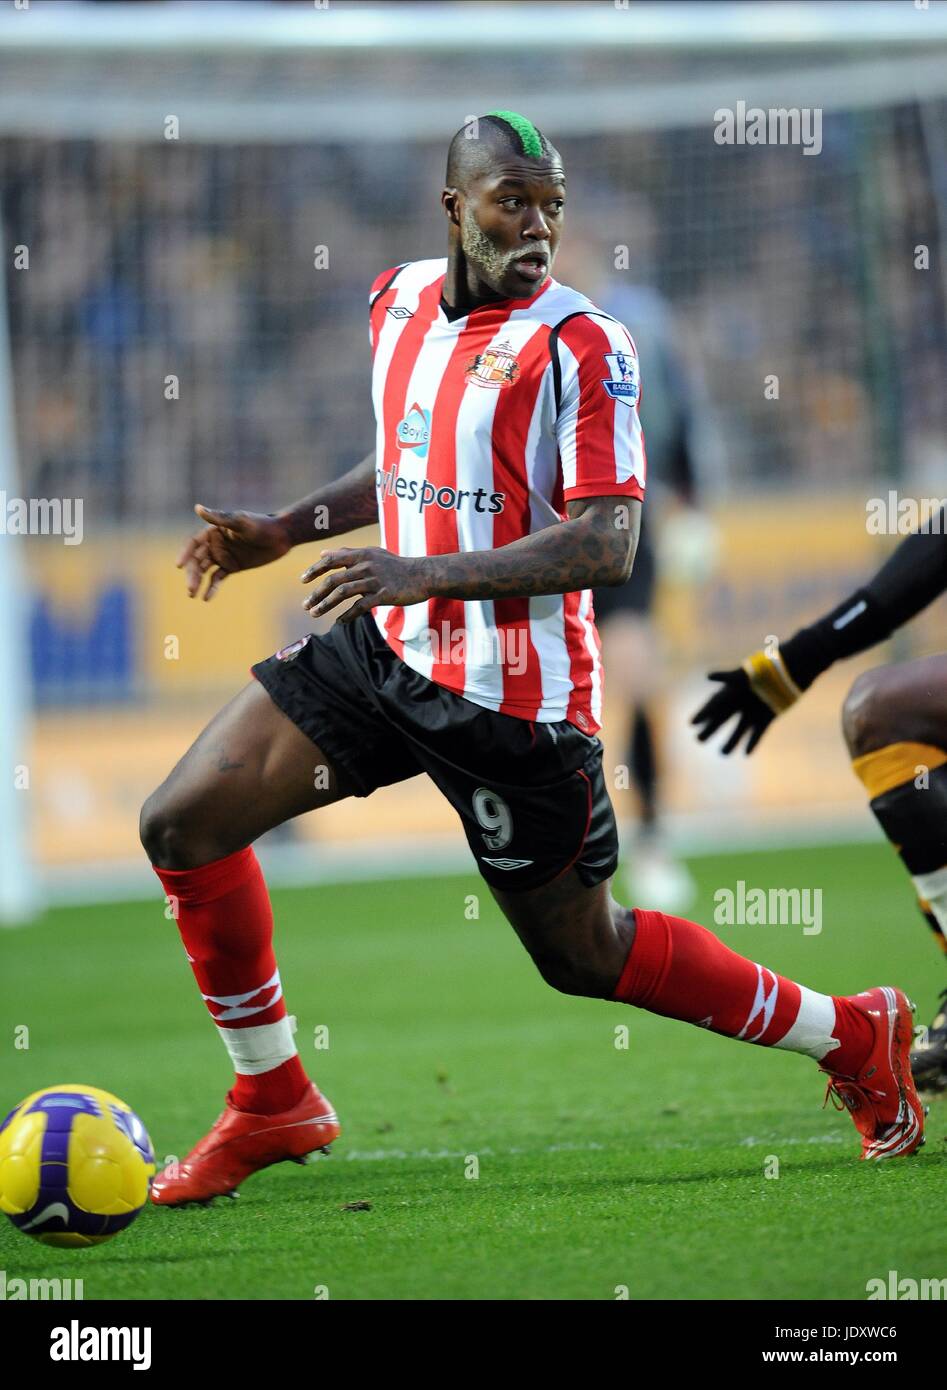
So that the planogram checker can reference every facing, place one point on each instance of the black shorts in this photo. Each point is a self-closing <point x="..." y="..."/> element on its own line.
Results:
<point x="531" y="796"/>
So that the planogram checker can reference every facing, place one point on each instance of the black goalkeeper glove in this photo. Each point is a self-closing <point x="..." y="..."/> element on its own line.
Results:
<point x="767" y="683"/>
<point x="755" y="692"/>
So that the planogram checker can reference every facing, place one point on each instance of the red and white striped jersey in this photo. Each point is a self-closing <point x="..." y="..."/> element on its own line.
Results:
<point x="487" y="426"/>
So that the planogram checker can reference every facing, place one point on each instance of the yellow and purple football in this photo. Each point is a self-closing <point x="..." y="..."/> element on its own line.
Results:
<point x="76" y="1165"/>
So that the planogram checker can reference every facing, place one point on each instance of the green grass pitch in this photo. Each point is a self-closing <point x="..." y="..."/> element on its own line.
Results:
<point x="599" y="1168"/>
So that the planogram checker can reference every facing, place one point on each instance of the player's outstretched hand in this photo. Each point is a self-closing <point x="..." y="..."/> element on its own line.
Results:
<point x="370" y="575"/>
<point x="231" y="541"/>
<point x="736" y="697"/>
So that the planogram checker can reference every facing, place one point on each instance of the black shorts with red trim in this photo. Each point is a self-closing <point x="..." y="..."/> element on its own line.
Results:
<point x="531" y="796"/>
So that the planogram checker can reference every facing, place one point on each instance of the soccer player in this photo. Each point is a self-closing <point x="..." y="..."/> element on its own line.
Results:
<point x="895" y="724"/>
<point x="624" y="614"/>
<point x="507" y="478"/>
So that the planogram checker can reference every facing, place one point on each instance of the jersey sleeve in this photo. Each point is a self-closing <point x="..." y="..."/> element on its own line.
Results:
<point x="380" y="284"/>
<point x="601" y="446"/>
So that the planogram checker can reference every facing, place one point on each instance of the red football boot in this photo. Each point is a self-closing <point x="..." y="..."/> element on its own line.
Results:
<point x="239" y="1144"/>
<point x="882" y="1098"/>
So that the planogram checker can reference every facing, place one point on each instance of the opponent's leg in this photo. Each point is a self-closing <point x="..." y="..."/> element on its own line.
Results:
<point x="583" y="942"/>
<point x="895" y="724"/>
<point x="631" y="652"/>
<point x="642" y="760"/>
<point x="251" y="769"/>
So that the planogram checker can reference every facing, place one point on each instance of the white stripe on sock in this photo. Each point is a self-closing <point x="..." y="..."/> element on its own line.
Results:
<point x="259" y="1049"/>
<point x="933" y="887"/>
<point x="764" y="1005"/>
<point x="237" y="1003"/>
<point x="811" y="1034"/>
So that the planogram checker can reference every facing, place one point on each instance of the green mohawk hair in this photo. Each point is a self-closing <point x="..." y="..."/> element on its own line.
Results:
<point x="530" y="138"/>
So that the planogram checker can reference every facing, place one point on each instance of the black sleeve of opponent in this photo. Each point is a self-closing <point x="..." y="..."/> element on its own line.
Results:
<point x="911" y="578"/>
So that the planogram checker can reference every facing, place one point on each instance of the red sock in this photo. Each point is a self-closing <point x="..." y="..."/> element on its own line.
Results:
<point x="226" y="923"/>
<point x="681" y="970"/>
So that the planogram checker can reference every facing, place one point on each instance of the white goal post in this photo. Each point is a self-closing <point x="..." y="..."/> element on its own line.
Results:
<point x="105" y="70"/>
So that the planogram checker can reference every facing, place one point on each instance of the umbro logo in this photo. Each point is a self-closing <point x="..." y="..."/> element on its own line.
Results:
<point x="507" y="863"/>
<point x="398" y="311"/>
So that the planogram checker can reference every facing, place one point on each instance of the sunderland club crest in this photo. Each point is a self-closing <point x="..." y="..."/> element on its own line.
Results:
<point x="493" y="368"/>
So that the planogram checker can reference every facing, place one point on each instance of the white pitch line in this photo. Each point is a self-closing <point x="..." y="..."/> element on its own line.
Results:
<point x="420" y="1155"/>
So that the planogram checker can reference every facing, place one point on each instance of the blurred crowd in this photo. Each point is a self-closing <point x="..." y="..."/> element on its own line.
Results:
<point x="178" y="334"/>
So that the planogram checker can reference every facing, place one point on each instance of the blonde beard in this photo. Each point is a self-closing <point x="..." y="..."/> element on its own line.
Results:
<point x="481" y="251"/>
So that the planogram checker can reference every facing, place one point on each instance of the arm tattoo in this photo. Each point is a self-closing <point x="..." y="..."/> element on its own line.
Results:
<point x="596" y="546"/>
